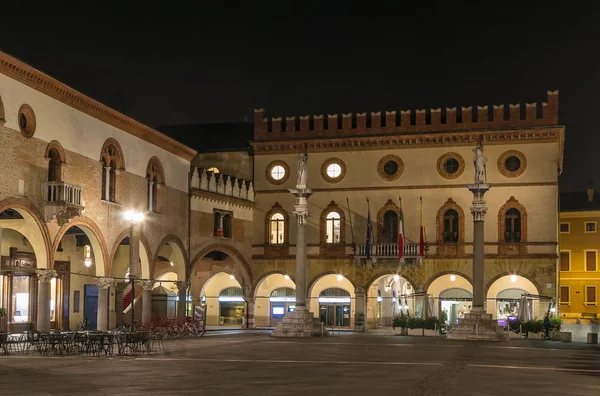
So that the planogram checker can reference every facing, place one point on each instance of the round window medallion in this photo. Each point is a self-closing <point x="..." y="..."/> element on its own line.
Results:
<point x="277" y="172"/>
<point x="451" y="165"/>
<point x="512" y="163"/>
<point x="333" y="170"/>
<point x="27" y="120"/>
<point x="390" y="167"/>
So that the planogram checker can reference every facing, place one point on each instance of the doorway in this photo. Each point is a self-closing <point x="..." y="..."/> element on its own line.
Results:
<point x="90" y="306"/>
<point x="335" y="314"/>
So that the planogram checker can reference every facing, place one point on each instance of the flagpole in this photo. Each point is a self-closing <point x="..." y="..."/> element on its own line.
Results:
<point x="400" y="234"/>
<point x="369" y="231"/>
<point x="351" y="228"/>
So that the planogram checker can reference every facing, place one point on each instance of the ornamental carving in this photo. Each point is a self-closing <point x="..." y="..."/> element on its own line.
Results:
<point x="104" y="283"/>
<point x="445" y="171"/>
<point x="521" y="161"/>
<point x="45" y="275"/>
<point x="385" y="173"/>
<point x="147" y="284"/>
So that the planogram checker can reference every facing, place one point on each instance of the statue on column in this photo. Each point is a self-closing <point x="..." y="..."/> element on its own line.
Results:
<point x="302" y="172"/>
<point x="479" y="161"/>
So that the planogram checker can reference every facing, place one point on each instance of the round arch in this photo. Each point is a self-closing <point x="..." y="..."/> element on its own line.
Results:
<point x="376" y="277"/>
<point x="145" y="253"/>
<point x="178" y="256"/>
<point x="220" y="312"/>
<point x="260" y="280"/>
<point x="331" y="281"/>
<point x="383" y="302"/>
<point x="96" y="238"/>
<point x="496" y="306"/>
<point x="443" y="281"/>
<point x="55" y="145"/>
<point x="241" y="267"/>
<point x="33" y="228"/>
<point x="264" y="314"/>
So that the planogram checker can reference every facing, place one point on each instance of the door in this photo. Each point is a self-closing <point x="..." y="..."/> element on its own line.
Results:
<point x="346" y="317"/>
<point x="90" y="306"/>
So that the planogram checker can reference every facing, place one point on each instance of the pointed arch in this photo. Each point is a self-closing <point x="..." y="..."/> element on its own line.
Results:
<point x="389" y="206"/>
<point x="112" y="152"/>
<point x="155" y="177"/>
<point x="238" y="259"/>
<point x="113" y="161"/>
<point x="505" y="246"/>
<point x="55" y="154"/>
<point x="182" y="253"/>
<point x="145" y="259"/>
<point x="445" y="247"/>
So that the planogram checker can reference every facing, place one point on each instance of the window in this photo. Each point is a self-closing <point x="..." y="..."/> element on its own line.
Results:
<point x="334" y="170"/>
<point x="156" y="179"/>
<point x="512" y="163"/>
<point x="564" y="295"/>
<point x="590" y="260"/>
<point x="227" y="223"/>
<point x="390" y="227"/>
<point x="590" y="227"/>
<point x="512" y="226"/>
<point x="277" y="229"/>
<point x="451" y="165"/>
<point x="333" y="227"/>
<point x="27" y="121"/>
<point x="565" y="228"/>
<point x="390" y="167"/>
<point x="565" y="261"/>
<point x="54" y="165"/>
<point x="450" y="233"/>
<point x="277" y="172"/>
<point x="223" y="223"/>
<point x="590" y="295"/>
<point x="111" y="158"/>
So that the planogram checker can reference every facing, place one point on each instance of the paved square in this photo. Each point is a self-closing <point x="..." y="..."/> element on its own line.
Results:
<point x="250" y="363"/>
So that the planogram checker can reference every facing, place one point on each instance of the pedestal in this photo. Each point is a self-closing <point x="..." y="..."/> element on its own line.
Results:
<point x="477" y="326"/>
<point x="299" y="323"/>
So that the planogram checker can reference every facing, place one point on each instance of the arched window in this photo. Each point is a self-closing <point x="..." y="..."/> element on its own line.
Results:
<point x="390" y="227"/>
<point x="227" y="226"/>
<point x="333" y="228"/>
<point x="277" y="229"/>
<point x="112" y="162"/>
<point x="512" y="226"/>
<point x="156" y="181"/>
<point x="54" y="166"/>
<point x="450" y="233"/>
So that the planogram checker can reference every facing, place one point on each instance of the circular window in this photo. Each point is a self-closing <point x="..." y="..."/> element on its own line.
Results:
<point x="512" y="163"/>
<point x="333" y="170"/>
<point x="451" y="165"/>
<point x="277" y="172"/>
<point x="27" y="120"/>
<point x="390" y="167"/>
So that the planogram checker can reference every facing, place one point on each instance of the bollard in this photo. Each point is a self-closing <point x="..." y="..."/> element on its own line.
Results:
<point x="476" y="331"/>
<point x="566" y="336"/>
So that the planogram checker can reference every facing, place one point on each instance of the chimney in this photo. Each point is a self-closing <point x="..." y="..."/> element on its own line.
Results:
<point x="590" y="190"/>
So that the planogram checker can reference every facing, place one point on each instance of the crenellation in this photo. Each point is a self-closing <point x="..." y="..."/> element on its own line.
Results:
<point x="486" y="117"/>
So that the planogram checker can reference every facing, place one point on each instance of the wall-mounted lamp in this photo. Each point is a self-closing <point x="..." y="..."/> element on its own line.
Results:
<point x="286" y="277"/>
<point x="452" y="278"/>
<point x="340" y="277"/>
<point x="87" y="256"/>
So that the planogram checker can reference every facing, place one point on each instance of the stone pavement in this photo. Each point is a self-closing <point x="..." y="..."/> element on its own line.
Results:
<point x="251" y="363"/>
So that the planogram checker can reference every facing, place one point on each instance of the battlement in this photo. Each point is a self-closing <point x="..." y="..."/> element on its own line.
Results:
<point x="408" y="121"/>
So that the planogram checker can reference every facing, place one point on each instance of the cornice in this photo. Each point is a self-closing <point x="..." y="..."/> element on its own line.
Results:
<point x="210" y="196"/>
<point x="541" y="134"/>
<point x="579" y="214"/>
<point x="45" y="84"/>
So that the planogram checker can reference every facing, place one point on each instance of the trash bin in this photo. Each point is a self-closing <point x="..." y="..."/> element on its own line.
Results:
<point x="592" y="338"/>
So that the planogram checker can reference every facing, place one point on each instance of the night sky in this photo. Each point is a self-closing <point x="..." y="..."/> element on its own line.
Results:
<point x="215" y="63"/>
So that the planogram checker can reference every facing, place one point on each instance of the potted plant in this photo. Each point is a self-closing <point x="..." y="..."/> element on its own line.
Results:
<point x="555" y="325"/>
<point x="415" y="326"/>
<point x="399" y="324"/>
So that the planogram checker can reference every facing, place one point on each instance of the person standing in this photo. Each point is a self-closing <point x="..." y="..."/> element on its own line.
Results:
<point x="546" y="327"/>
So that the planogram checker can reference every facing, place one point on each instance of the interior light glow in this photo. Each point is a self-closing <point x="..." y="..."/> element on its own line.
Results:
<point x="513" y="278"/>
<point x="340" y="277"/>
<point x="452" y="278"/>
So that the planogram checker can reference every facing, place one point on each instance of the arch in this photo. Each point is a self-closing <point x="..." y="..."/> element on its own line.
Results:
<point x="180" y="255"/>
<point x="155" y="177"/>
<point x="96" y="238"/>
<point x="389" y="206"/>
<point x="276" y="208"/>
<point x="441" y="273"/>
<point x="511" y="203"/>
<point x="523" y="282"/>
<point x="37" y="235"/>
<point x="262" y="293"/>
<point x="379" y="275"/>
<point x="333" y="207"/>
<point x="350" y="283"/>
<point x="443" y="281"/>
<point x="145" y="253"/>
<point x="238" y="259"/>
<point x="258" y="281"/>
<point x="55" y="145"/>
<point x="116" y="154"/>
<point x="155" y="168"/>
<point x="450" y="248"/>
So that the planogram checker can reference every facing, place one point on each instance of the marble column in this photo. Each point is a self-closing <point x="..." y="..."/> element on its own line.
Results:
<point x="43" y="304"/>
<point x="478" y="210"/>
<point x="146" y="301"/>
<point x="103" y="285"/>
<point x="182" y="303"/>
<point x="106" y="183"/>
<point x="360" y="324"/>
<point x="119" y="289"/>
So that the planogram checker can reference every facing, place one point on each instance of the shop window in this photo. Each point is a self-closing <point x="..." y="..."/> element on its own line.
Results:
<point x="590" y="295"/>
<point x="20" y="287"/>
<point x="565" y="261"/>
<point x="565" y="295"/>
<point x="450" y="233"/>
<point x="512" y="226"/>
<point x="277" y="229"/>
<point x="590" y="260"/>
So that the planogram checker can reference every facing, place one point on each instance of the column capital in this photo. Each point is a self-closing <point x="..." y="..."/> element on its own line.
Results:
<point x="104" y="283"/>
<point x="182" y="285"/>
<point x="247" y="291"/>
<point x="121" y="286"/>
<point x="359" y="290"/>
<point x="45" y="275"/>
<point x="479" y="210"/>
<point x="147" y="284"/>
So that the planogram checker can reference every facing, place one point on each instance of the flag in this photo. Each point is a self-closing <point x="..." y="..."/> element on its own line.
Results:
<point x="369" y="231"/>
<point x="422" y="233"/>
<point x="401" y="232"/>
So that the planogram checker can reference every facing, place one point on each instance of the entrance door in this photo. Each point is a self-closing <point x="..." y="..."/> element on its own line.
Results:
<point x="335" y="315"/>
<point x="90" y="306"/>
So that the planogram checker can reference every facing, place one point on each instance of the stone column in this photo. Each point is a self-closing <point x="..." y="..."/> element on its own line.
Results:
<point x="43" y="305"/>
<point x="478" y="210"/>
<point x="359" y="310"/>
<point x="103" y="285"/>
<point x="119" y="289"/>
<point x="146" y="301"/>
<point x="182" y="303"/>
<point x="106" y="183"/>
<point x="150" y="192"/>
<point x="250" y="306"/>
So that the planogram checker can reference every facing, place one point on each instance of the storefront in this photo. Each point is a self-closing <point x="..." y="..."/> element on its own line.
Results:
<point x="282" y="300"/>
<point x="455" y="302"/>
<point x="334" y="307"/>
<point x="508" y="302"/>
<point x="231" y="306"/>
<point x="19" y="289"/>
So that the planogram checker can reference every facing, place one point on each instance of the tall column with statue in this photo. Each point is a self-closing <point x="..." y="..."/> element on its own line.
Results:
<point x="301" y="322"/>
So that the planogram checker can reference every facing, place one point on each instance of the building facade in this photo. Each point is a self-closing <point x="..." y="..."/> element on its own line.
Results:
<point x="578" y="264"/>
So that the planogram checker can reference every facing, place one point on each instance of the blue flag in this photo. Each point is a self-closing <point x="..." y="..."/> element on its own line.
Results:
<point x="369" y="231"/>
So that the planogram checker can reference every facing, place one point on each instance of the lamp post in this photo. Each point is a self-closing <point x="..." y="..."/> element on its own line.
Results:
<point x="136" y="218"/>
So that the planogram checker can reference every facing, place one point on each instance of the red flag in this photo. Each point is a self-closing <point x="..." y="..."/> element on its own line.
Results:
<point x="401" y="232"/>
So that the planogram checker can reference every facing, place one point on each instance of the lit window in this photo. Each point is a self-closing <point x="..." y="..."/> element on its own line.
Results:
<point x="333" y="228"/>
<point x="277" y="172"/>
<point x="213" y="170"/>
<point x="334" y="170"/>
<point x="277" y="228"/>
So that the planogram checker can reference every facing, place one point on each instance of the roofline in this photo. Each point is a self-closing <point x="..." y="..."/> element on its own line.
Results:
<point x="41" y="82"/>
<point x="576" y="213"/>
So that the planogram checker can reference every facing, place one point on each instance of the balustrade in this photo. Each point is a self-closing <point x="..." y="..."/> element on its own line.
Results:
<point x="389" y="250"/>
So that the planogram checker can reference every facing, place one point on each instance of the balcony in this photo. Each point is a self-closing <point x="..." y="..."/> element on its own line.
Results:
<point x="61" y="200"/>
<point x="389" y="250"/>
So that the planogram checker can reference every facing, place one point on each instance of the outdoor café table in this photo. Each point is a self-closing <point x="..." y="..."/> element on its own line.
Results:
<point x="131" y="343"/>
<point x="55" y="342"/>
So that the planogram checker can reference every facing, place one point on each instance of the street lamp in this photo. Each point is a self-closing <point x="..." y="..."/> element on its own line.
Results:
<point x="136" y="218"/>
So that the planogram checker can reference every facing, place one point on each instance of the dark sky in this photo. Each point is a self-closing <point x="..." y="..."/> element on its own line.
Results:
<point x="215" y="63"/>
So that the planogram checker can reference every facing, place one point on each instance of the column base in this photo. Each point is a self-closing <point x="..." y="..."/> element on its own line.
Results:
<point x="299" y="323"/>
<point x="477" y="325"/>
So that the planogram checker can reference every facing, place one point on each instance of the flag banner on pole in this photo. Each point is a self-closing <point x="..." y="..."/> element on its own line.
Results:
<point x="422" y="233"/>
<point x="401" y="232"/>
<point x="369" y="230"/>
